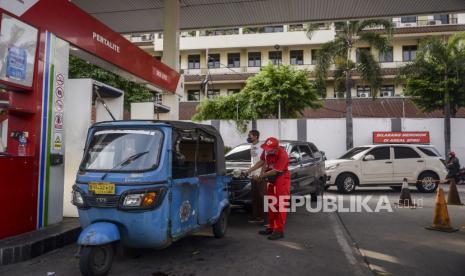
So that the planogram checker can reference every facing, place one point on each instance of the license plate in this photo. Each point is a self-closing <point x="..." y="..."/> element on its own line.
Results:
<point x="102" y="188"/>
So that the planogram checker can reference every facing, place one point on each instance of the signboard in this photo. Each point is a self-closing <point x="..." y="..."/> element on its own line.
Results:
<point x="18" y="42"/>
<point x="410" y="137"/>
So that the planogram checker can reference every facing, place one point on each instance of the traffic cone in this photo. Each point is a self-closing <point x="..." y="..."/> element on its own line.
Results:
<point x="441" y="221"/>
<point x="453" y="197"/>
<point x="405" y="197"/>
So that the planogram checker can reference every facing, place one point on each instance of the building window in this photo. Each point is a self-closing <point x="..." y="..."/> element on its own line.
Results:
<point x="213" y="93"/>
<point x="234" y="60"/>
<point x="276" y="57"/>
<point x="360" y="50"/>
<point x="387" y="91"/>
<point x="233" y="91"/>
<point x="193" y="62"/>
<point x="233" y="31"/>
<point x="387" y="55"/>
<point x="408" y="19"/>
<point x="314" y="56"/>
<point x="409" y="52"/>
<point x="274" y="29"/>
<point x="364" y="91"/>
<point x="214" y="61"/>
<point x="193" y="95"/>
<point x="296" y="28"/>
<point x="255" y="59"/>
<point x="443" y="18"/>
<point x="297" y="57"/>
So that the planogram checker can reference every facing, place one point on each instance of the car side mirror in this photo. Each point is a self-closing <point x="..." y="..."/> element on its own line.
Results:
<point x="369" y="157"/>
<point x="293" y="160"/>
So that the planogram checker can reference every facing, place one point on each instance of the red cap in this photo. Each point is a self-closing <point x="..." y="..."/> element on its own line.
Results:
<point x="270" y="144"/>
<point x="452" y="153"/>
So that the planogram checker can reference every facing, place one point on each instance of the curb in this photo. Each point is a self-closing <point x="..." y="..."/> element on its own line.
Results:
<point x="32" y="244"/>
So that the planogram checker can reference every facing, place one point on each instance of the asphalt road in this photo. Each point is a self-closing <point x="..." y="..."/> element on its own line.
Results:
<point x="362" y="243"/>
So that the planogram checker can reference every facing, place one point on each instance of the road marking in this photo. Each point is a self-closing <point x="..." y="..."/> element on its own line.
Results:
<point x="345" y="245"/>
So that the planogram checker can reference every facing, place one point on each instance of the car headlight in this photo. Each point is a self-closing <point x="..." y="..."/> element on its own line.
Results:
<point x="332" y="167"/>
<point x="78" y="198"/>
<point x="141" y="200"/>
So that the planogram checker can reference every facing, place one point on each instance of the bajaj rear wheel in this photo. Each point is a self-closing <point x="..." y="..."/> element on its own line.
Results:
<point x="220" y="227"/>
<point x="96" y="260"/>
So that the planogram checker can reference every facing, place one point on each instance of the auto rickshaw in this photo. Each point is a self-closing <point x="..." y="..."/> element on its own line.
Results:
<point x="145" y="184"/>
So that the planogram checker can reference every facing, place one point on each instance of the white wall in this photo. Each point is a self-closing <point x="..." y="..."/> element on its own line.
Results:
<point x="435" y="126"/>
<point x="458" y="138"/>
<point x="329" y="134"/>
<point x="364" y="127"/>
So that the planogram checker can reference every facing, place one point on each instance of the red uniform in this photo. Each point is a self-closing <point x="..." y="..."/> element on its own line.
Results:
<point x="281" y="187"/>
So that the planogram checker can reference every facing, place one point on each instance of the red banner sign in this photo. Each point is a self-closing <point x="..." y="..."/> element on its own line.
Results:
<point x="410" y="137"/>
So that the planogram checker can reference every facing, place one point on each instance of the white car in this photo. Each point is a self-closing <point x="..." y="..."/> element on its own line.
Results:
<point x="387" y="165"/>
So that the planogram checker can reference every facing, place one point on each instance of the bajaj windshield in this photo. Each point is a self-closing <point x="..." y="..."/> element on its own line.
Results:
<point x="123" y="150"/>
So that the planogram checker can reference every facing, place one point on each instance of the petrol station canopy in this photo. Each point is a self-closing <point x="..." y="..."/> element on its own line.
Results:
<point x="131" y="16"/>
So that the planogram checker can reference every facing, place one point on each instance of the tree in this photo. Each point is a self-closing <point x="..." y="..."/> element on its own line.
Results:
<point x="339" y="52"/>
<point x="261" y="95"/>
<point x="133" y="92"/>
<point x="436" y="79"/>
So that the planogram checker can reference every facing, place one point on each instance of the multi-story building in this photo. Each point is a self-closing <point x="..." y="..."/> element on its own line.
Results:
<point x="230" y="56"/>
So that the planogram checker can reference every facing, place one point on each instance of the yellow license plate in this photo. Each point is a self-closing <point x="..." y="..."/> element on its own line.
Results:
<point x="102" y="188"/>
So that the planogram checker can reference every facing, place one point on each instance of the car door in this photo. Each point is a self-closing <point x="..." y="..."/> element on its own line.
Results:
<point x="308" y="167"/>
<point x="380" y="170"/>
<point x="407" y="164"/>
<point x="295" y="168"/>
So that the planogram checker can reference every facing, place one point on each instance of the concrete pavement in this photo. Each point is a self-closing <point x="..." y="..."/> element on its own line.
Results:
<point x="315" y="244"/>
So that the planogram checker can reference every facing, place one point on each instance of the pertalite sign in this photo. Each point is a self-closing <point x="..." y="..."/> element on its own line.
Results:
<point x="411" y="137"/>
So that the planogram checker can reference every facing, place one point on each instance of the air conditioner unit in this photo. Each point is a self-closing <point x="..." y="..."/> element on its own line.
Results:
<point x="364" y="95"/>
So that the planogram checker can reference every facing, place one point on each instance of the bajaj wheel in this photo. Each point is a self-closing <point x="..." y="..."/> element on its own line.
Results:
<point x="96" y="260"/>
<point x="220" y="227"/>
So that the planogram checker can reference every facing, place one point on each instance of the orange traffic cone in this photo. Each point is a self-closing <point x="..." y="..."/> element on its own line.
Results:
<point x="453" y="197"/>
<point x="441" y="221"/>
<point x="405" y="197"/>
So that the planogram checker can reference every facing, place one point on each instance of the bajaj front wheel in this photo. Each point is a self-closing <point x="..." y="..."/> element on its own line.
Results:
<point x="220" y="227"/>
<point x="96" y="260"/>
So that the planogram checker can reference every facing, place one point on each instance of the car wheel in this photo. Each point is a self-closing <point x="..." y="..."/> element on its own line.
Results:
<point x="428" y="182"/>
<point x="346" y="183"/>
<point x="96" y="260"/>
<point x="220" y="227"/>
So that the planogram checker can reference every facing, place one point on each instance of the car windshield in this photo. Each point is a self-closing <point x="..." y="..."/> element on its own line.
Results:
<point x="354" y="153"/>
<point x="239" y="154"/>
<point x="123" y="150"/>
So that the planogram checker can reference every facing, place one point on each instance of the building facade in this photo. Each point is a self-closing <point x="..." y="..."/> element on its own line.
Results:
<point x="227" y="57"/>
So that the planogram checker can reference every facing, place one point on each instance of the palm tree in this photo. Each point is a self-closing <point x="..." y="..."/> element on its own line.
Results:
<point x="339" y="52"/>
<point x="436" y="79"/>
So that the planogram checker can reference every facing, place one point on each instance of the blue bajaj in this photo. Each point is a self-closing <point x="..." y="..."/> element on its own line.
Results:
<point x="144" y="184"/>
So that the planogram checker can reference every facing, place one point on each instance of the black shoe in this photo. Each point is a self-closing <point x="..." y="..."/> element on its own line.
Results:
<point x="276" y="236"/>
<point x="267" y="231"/>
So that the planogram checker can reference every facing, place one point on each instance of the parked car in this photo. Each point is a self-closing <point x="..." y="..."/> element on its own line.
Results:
<point x="306" y="165"/>
<point x="387" y="165"/>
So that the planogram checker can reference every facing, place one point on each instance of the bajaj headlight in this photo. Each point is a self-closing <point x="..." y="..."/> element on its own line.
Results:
<point x="78" y="198"/>
<point x="141" y="199"/>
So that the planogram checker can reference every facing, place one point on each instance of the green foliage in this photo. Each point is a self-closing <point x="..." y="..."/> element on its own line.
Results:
<point x="339" y="50"/>
<point x="261" y="95"/>
<point x="134" y="92"/>
<point x="437" y="75"/>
